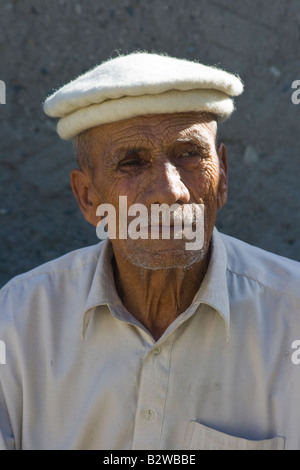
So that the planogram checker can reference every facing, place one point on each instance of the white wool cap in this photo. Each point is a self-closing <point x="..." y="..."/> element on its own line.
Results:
<point x="139" y="84"/>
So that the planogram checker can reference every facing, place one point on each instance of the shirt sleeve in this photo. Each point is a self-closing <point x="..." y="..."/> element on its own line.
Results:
<point x="7" y="441"/>
<point x="7" y="392"/>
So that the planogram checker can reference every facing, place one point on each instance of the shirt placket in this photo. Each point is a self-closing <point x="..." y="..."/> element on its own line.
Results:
<point x="152" y="393"/>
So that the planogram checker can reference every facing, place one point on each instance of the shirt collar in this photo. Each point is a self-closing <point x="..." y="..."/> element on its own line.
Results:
<point x="102" y="291"/>
<point x="213" y="290"/>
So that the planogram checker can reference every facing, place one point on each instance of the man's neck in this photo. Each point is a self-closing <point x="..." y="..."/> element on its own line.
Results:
<point x="157" y="297"/>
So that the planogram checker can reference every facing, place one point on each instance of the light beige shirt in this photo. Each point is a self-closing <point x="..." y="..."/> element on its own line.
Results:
<point x="82" y="373"/>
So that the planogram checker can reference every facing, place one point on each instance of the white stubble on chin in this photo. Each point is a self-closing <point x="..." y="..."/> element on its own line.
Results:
<point x="174" y="253"/>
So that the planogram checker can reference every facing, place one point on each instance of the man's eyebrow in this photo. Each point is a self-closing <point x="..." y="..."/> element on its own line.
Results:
<point x="197" y="140"/>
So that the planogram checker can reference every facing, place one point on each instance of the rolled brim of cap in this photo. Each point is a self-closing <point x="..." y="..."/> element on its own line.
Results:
<point x="141" y="84"/>
<point x="173" y="101"/>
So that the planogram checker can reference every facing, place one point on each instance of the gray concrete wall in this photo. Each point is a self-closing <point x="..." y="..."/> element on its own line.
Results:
<point x="44" y="44"/>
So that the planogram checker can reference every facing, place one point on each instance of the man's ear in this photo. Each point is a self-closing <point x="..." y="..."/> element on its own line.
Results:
<point x="82" y="188"/>
<point x="223" y="178"/>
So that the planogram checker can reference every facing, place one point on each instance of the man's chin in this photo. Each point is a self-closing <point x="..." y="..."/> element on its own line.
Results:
<point x="161" y="255"/>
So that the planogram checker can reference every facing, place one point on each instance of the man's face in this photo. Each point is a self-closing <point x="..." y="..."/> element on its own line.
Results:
<point x="159" y="159"/>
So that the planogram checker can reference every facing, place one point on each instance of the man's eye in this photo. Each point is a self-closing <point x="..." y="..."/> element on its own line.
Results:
<point x="194" y="153"/>
<point x="131" y="158"/>
<point x="130" y="163"/>
<point x="190" y="154"/>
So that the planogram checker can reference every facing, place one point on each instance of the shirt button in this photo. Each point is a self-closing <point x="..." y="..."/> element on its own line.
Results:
<point x="157" y="351"/>
<point x="149" y="415"/>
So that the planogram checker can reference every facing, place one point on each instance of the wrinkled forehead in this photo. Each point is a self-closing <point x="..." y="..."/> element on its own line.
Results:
<point x="154" y="128"/>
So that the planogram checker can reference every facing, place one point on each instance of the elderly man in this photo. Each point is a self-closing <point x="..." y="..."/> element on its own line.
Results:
<point x="141" y="342"/>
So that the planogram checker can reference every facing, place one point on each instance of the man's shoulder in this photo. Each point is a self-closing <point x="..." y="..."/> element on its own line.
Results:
<point x="268" y="269"/>
<point x="63" y="266"/>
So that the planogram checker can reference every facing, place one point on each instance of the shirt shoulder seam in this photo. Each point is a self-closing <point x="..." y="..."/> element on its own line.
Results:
<point x="26" y="278"/>
<point x="289" y="294"/>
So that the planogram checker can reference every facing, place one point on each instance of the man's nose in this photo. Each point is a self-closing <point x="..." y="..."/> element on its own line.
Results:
<point x="165" y="186"/>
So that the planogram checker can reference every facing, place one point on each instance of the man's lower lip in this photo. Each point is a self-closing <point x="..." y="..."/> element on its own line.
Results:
<point x="167" y="226"/>
<point x="162" y="229"/>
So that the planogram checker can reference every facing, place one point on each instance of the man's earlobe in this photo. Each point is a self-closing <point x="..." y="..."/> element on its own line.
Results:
<point x="81" y="185"/>
<point x="223" y="178"/>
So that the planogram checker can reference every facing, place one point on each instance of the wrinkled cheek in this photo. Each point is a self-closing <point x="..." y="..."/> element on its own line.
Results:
<point x="108" y="191"/>
<point x="203" y="186"/>
<point x="207" y="193"/>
